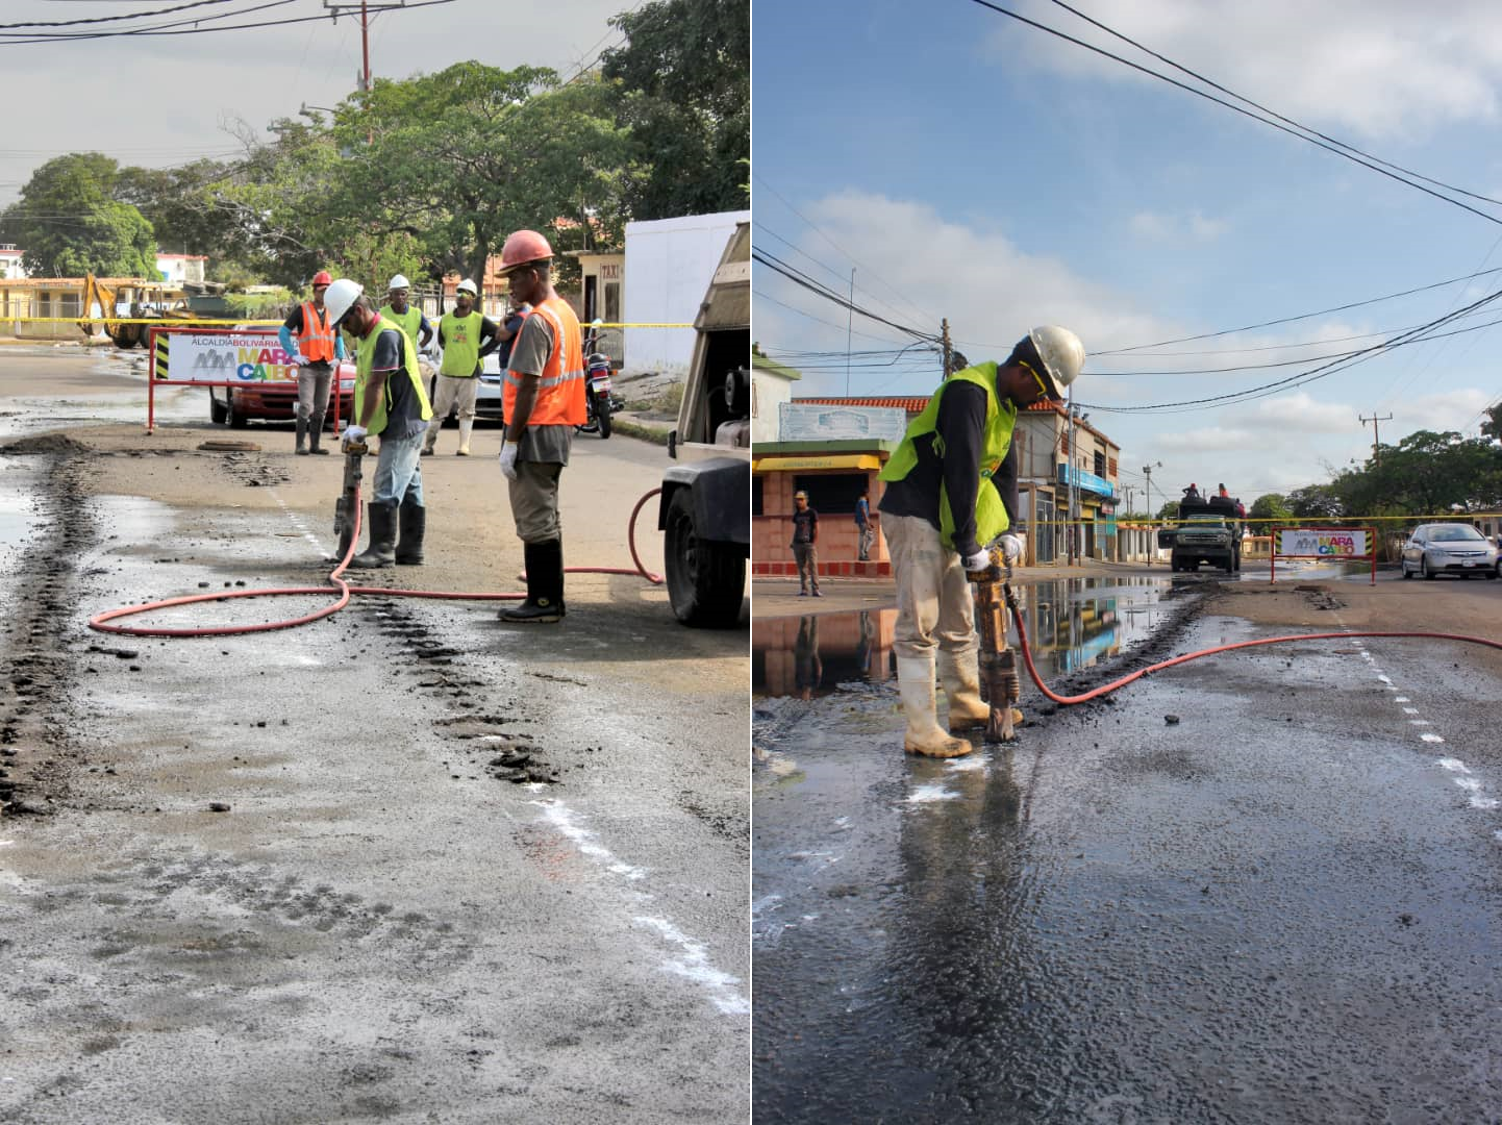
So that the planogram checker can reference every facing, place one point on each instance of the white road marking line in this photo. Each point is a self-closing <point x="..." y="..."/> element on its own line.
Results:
<point x="1410" y="710"/>
<point x="1386" y="680"/>
<point x="1419" y="722"/>
<point x="1430" y="736"/>
<point x="1454" y="765"/>
<point x="1401" y="699"/>
<point x="924" y="794"/>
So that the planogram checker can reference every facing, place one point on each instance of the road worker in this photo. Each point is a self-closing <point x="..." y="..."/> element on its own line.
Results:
<point x="389" y="402"/>
<point x="467" y="336"/>
<point x="408" y="317"/>
<point x="951" y="489"/>
<point x="543" y="400"/>
<point x="309" y="338"/>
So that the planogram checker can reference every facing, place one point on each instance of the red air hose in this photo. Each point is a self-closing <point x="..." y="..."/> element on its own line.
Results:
<point x="101" y="621"/>
<point x="1106" y="689"/>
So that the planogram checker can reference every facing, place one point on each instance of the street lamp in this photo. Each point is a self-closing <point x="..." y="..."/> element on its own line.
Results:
<point x="304" y="111"/>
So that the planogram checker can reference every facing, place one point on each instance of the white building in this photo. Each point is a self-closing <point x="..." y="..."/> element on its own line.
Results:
<point x="771" y="386"/>
<point x="669" y="264"/>
<point x="10" y="262"/>
<point x="178" y="268"/>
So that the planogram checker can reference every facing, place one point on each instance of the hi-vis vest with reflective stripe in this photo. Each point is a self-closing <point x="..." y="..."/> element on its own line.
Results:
<point x="316" y="340"/>
<point x="362" y="377"/>
<point x="409" y="322"/>
<point x="560" y="387"/>
<point x="1001" y="416"/>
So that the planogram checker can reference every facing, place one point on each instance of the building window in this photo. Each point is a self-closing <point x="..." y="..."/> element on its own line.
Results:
<point x="612" y="302"/>
<point x="832" y="492"/>
<point x="1100" y="465"/>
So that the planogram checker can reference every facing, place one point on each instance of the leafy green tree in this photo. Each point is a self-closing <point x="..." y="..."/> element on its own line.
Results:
<point x="1270" y="506"/>
<point x="1492" y="426"/>
<point x="68" y="222"/>
<point x="1315" y="501"/>
<point x="685" y="93"/>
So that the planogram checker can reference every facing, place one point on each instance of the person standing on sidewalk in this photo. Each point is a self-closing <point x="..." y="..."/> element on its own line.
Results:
<point x="952" y="489"/>
<point x="864" y="525"/>
<point x="390" y="403"/>
<point x="805" y="544"/>
<point x="467" y="336"/>
<point x="543" y="400"/>
<point x="316" y="349"/>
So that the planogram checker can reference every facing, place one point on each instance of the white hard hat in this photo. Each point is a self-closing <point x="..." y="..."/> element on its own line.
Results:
<point x="399" y="282"/>
<point x="1061" y="352"/>
<point x="465" y="286"/>
<point x="340" y="297"/>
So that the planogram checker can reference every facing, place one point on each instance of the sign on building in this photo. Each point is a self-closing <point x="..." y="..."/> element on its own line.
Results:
<point x="806" y="421"/>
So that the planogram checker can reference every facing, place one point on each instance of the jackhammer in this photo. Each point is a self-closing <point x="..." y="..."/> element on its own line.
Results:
<point x="994" y="604"/>
<point x="347" y="507"/>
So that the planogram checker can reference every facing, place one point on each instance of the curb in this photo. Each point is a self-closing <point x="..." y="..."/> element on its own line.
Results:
<point x="638" y="431"/>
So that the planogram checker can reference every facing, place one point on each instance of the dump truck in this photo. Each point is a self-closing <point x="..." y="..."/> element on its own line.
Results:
<point x="1208" y="531"/>
<point x="705" y="507"/>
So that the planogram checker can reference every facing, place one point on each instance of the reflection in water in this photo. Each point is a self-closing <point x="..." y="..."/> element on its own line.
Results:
<point x="1072" y="623"/>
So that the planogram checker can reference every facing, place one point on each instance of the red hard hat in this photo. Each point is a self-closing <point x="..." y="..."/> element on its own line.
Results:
<point x="323" y="277"/>
<point x="522" y="247"/>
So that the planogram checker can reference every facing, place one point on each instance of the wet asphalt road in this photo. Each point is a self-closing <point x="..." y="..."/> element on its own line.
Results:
<point x="1283" y="908"/>
<point x="401" y="865"/>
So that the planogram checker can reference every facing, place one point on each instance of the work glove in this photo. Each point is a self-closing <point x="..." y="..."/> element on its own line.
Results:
<point x="509" y="450"/>
<point x="981" y="560"/>
<point x="1011" y="548"/>
<point x="299" y="360"/>
<point x="353" y="433"/>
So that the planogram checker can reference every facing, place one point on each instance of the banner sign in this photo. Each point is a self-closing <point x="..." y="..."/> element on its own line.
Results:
<point x="223" y="357"/>
<point x="1323" y="542"/>
<point x="806" y="421"/>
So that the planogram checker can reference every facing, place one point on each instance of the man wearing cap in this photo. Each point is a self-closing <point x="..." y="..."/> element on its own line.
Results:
<point x="951" y="488"/>
<point x="805" y="544"/>
<point x="315" y="349"/>
<point x="543" y="400"/>
<point x="467" y="337"/>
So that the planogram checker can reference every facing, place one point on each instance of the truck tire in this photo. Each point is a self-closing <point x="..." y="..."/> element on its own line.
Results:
<point x="218" y="412"/>
<point x="237" y="418"/>
<point x="705" y="580"/>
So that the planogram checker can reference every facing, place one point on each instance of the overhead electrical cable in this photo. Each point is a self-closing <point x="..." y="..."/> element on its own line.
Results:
<point x="112" y="19"/>
<point x="797" y="276"/>
<point x="1236" y="109"/>
<point x="1270" y="112"/>
<point x="842" y="277"/>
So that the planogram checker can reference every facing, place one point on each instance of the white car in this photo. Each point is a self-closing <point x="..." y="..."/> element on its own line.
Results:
<point x="487" y="394"/>
<point x="1448" y="548"/>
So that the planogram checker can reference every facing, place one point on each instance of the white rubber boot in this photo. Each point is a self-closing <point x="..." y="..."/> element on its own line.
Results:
<point x="464" y="428"/>
<point x="960" y="675"/>
<point x="915" y="683"/>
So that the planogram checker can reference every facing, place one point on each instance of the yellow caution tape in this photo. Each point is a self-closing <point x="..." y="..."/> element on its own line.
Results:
<point x="187" y="322"/>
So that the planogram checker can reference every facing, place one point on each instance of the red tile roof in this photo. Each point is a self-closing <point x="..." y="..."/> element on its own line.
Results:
<point x="913" y="404"/>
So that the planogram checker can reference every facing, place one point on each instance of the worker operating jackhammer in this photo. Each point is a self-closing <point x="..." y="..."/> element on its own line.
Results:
<point x="951" y="486"/>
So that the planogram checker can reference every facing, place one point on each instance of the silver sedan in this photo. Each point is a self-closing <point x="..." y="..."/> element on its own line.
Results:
<point x="1448" y="548"/>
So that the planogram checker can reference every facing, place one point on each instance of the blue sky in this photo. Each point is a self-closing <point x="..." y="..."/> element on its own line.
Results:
<point x="971" y="167"/>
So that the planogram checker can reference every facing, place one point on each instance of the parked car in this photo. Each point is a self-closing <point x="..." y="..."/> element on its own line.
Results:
<point x="274" y="401"/>
<point x="1448" y="548"/>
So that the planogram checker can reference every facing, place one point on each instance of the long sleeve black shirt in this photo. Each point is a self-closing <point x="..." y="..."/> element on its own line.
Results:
<point x="962" y="425"/>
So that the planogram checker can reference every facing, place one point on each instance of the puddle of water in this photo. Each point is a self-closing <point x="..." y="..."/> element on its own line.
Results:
<point x="1072" y="623"/>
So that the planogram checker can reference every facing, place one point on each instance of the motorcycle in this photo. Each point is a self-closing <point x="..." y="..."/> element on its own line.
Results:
<point x="599" y="400"/>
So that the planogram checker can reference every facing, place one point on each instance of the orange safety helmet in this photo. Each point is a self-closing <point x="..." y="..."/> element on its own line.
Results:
<point x="522" y="247"/>
<point x="323" y="277"/>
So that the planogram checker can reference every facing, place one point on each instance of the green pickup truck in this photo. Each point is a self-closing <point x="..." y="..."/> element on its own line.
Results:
<point x="1208" y="531"/>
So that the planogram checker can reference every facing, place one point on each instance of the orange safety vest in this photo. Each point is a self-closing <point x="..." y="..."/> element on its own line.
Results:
<point x="316" y="340"/>
<point x="560" y="387"/>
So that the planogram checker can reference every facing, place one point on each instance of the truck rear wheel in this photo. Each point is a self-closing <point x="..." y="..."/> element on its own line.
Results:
<point x="705" y="579"/>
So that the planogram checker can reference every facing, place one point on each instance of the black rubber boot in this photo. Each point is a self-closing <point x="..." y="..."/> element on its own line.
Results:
<point x="315" y="435"/>
<point x="302" y="436"/>
<point x="544" y="604"/>
<point x="413" y="519"/>
<point x="382" y="550"/>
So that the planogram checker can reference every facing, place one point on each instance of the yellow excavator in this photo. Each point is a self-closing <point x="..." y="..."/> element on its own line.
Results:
<point x="145" y="299"/>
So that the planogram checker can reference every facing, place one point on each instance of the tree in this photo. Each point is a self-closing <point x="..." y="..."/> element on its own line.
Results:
<point x="684" y="80"/>
<point x="1315" y="501"/>
<point x="68" y="222"/>
<point x="1270" y="506"/>
<point x="1492" y="427"/>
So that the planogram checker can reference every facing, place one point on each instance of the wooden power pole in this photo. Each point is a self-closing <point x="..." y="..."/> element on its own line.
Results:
<point x="1376" y="443"/>
<point x="948" y="348"/>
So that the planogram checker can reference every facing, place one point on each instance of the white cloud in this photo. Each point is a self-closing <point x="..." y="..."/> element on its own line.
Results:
<point x="1301" y="413"/>
<point x="1446" y="410"/>
<point x="1374" y="67"/>
<point x="1210" y="439"/>
<point x="1194" y="227"/>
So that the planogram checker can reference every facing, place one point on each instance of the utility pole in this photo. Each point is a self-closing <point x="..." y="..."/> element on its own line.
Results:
<point x="1069" y="480"/>
<point x="948" y="350"/>
<point x="1376" y="443"/>
<point x="848" y="314"/>
<point x="1152" y="544"/>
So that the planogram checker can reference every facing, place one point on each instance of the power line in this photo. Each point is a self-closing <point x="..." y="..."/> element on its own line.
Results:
<point x="112" y="19"/>
<point x="798" y="277"/>
<point x="1303" y="377"/>
<point x="811" y="316"/>
<point x="1273" y="113"/>
<point x="1235" y="108"/>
